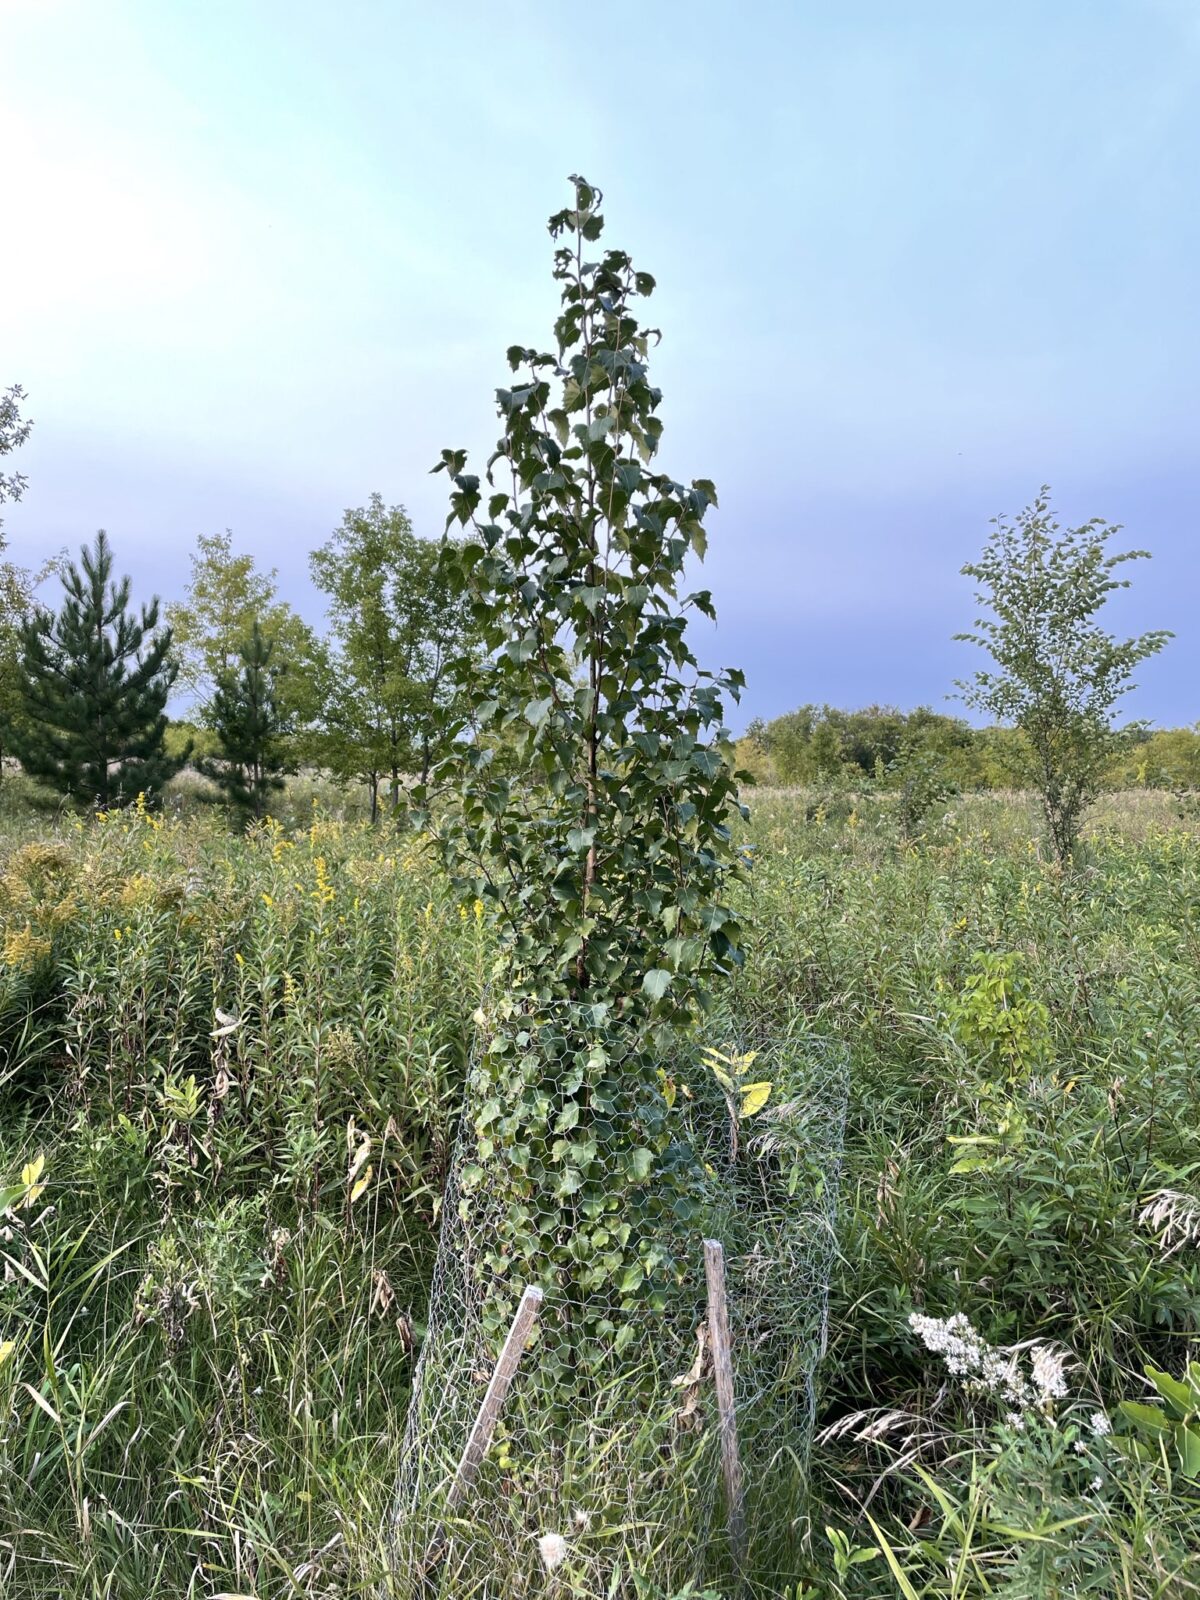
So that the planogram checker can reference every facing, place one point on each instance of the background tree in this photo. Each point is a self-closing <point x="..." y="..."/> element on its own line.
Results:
<point x="396" y="628"/>
<point x="1163" y="758"/>
<point x="95" y="686"/>
<point x="17" y="584"/>
<point x="14" y="431"/>
<point x="818" y="742"/>
<point x="18" y="593"/>
<point x="1058" y="673"/>
<point x="226" y="597"/>
<point x="245" y="717"/>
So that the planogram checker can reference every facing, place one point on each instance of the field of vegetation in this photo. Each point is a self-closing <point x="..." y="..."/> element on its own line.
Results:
<point x="439" y="968"/>
<point x="232" y="1067"/>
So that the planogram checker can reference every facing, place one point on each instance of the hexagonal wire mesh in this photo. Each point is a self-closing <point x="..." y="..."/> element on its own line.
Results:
<point x="603" y="1468"/>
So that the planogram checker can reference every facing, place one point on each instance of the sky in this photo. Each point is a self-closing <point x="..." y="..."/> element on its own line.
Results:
<point x="259" y="258"/>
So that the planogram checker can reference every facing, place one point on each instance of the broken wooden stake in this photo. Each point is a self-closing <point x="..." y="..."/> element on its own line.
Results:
<point x="480" y="1436"/>
<point x="718" y="1343"/>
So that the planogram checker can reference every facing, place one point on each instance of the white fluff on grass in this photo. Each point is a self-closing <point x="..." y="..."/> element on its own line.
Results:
<point x="553" y="1550"/>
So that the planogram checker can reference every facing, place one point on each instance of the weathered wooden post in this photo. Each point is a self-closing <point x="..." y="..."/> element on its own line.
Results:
<point x="718" y="1343"/>
<point x="480" y="1436"/>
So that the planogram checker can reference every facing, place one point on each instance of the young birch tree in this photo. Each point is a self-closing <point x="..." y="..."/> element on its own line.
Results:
<point x="1058" y="674"/>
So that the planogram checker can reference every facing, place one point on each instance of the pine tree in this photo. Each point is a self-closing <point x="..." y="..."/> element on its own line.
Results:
<point x="95" y="686"/>
<point x="244" y="714"/>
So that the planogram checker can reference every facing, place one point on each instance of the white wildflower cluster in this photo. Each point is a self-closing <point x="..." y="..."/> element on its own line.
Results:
<point x="1100" y="1424"/>
<point x="995" y="1371"/>
<point x="1048" y="1367"/>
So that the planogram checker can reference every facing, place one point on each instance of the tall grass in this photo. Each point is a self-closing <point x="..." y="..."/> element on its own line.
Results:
<point x="241" y="1057"/>
<point x="212" y="1322"/>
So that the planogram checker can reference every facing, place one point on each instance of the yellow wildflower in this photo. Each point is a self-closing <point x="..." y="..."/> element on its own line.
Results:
<point x="23" y="948"/>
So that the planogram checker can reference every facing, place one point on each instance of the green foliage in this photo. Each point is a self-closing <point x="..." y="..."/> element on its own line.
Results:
<point x="586" y="800"/>
<point x="1163" y="758"/>
<point x="226" y="597"/>
<point x="1171" y="1428"/>
<point x="396" y="630"/>
<point x="207" y="1270"/>
<point x="245" y="716"/>
<point x="602" y="843"/>
<point x="816" y="742"/>
<point x="922" y="784"/>
<point x="206" y="1337"/>
<point x="997" y="1018"/>
<point x="95" y="682"/>
<point x="18" y="592"/>
<point x="183" y="736"/>
<point x="14" y="431"/>
<point x="18" y="584"/>
<point x="1022" y="1047"/>
<point x="1058" y="674"/>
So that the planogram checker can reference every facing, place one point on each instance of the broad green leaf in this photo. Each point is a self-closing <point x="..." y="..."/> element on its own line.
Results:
<point x="1151" y="1418"/>
<point x="536" y="711"/>
<point x="1181" y="1400"/>
<point x="640" y="1162"/>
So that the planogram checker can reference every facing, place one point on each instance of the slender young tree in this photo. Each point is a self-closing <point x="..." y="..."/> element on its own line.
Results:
<point x="244" y="714"/>
<point x="396" y="627"/>
<point x="587" y="796"/>
<point x="95" y="686"/>
<point x="1058" y="673"/>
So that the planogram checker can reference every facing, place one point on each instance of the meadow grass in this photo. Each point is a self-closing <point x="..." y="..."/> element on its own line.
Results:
<point x="241" y="1060"/>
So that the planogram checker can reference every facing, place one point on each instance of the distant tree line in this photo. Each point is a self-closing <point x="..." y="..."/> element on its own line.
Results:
<point x="84" y="687"/>
<point x="818" y="742"/>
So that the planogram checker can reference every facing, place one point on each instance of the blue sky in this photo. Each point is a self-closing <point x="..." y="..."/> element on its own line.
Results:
<point x="914" y="260"/>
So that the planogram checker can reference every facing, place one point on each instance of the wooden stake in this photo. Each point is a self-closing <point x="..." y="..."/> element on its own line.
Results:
<point x="480" y="1436"/>
<point x="718" y="1343"/>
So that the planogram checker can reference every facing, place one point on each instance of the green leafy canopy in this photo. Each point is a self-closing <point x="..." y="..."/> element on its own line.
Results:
<point x="590" y="790"/>
<point x="1058" y="673"/>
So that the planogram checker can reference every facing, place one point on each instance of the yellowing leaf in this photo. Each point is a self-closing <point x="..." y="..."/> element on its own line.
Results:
<point x="7" y="1346"/>
<point x="30" y="1173"/>
<point x="360" y="1187"/>
<point x="726" y="1068"/>
<point x="754" y="1097"/>
<point x="361" y="1154"/>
